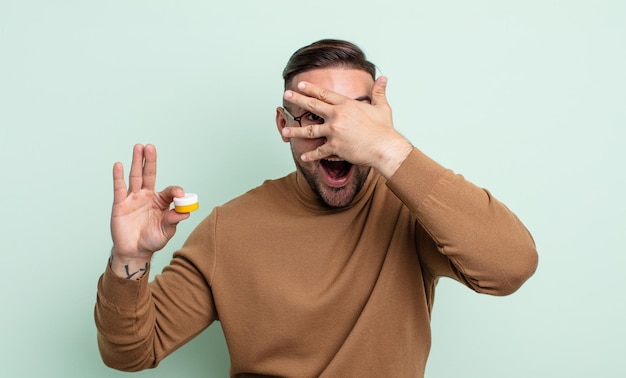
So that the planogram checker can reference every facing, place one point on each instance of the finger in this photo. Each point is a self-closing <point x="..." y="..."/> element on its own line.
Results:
<point x="379" y="96"/>
<point x="168" y="194"/>
<point x="172" y="218"/>
<point x="308" y="132"/>
<point x="319" y="153"/>
<point x="325" y="95"/>
<point x="135" y="178"/>
<point x="119" y="186"/>
<point x="149" y="167"/>
<point x="311" y="104"/>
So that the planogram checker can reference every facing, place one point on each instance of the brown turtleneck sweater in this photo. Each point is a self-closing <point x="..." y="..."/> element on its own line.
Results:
<point x="301" y="289"/>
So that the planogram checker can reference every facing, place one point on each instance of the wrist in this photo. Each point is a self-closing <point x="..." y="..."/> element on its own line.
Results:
<point x="132" y="268"/>
<point x="392" y="156"/>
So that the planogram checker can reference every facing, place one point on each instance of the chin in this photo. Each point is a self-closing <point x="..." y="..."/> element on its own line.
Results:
<point x="334" y="196"/>
<point x="338" y="197"/>
<point x="342" y="196"/>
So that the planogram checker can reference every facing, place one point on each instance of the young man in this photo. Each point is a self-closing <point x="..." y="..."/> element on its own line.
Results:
<point x="329" y="271"/>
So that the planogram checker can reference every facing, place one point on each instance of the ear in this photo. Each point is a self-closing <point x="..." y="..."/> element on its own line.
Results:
<point x="281" y="123"/>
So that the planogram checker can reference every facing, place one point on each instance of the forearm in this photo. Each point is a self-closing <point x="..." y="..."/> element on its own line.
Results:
<point x="486" y="243"/>
<point x="125" y="322"/>
<point x="141" y="322"/>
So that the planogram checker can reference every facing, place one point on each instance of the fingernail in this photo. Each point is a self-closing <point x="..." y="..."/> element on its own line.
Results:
<point x="288" y="94"/>
<point x="301" y="85"/>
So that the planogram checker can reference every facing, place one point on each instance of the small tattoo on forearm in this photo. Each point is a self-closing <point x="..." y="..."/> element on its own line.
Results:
<point x="130" y="275"/>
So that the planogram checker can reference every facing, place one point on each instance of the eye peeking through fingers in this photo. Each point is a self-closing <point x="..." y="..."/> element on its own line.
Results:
<point x="306" y="119"/>
<point x="313" y="119"/>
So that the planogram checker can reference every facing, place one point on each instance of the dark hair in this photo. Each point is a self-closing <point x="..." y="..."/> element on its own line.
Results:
<point x="327" y="53"/>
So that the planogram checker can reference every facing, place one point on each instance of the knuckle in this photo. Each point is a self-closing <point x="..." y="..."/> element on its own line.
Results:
<point x="335" y="127"/>
<point x="323" y="94"/>
<point x="311" y="104"/>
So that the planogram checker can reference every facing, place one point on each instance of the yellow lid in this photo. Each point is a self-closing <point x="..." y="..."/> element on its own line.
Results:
<point x="186" y="204"/>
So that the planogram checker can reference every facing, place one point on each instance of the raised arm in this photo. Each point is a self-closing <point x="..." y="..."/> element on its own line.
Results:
<point x="132" y="332"/>
<point x="474" y="238"/>
<point x="488" y="248"/>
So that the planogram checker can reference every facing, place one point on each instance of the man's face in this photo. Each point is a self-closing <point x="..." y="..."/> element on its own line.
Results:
<point x="334" y="180"/>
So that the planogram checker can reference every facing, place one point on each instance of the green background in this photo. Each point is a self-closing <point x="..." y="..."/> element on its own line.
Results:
<point x="525" y="98"/>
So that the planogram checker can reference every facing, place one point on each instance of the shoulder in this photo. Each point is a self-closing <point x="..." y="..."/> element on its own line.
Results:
<point x="261" y="198"/>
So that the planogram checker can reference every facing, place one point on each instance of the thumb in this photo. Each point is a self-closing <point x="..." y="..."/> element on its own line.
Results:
<point x="379" y="96"/>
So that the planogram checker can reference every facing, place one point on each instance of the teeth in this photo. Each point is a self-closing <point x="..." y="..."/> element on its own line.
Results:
<point x="334" y="159"/>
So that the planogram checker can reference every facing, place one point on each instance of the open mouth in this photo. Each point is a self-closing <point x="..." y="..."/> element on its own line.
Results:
<point x="336" y="171"/>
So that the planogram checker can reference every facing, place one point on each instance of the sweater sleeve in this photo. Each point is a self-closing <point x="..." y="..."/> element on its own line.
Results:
<point x="487" y="246"/>
<point x="140" y="323"/>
